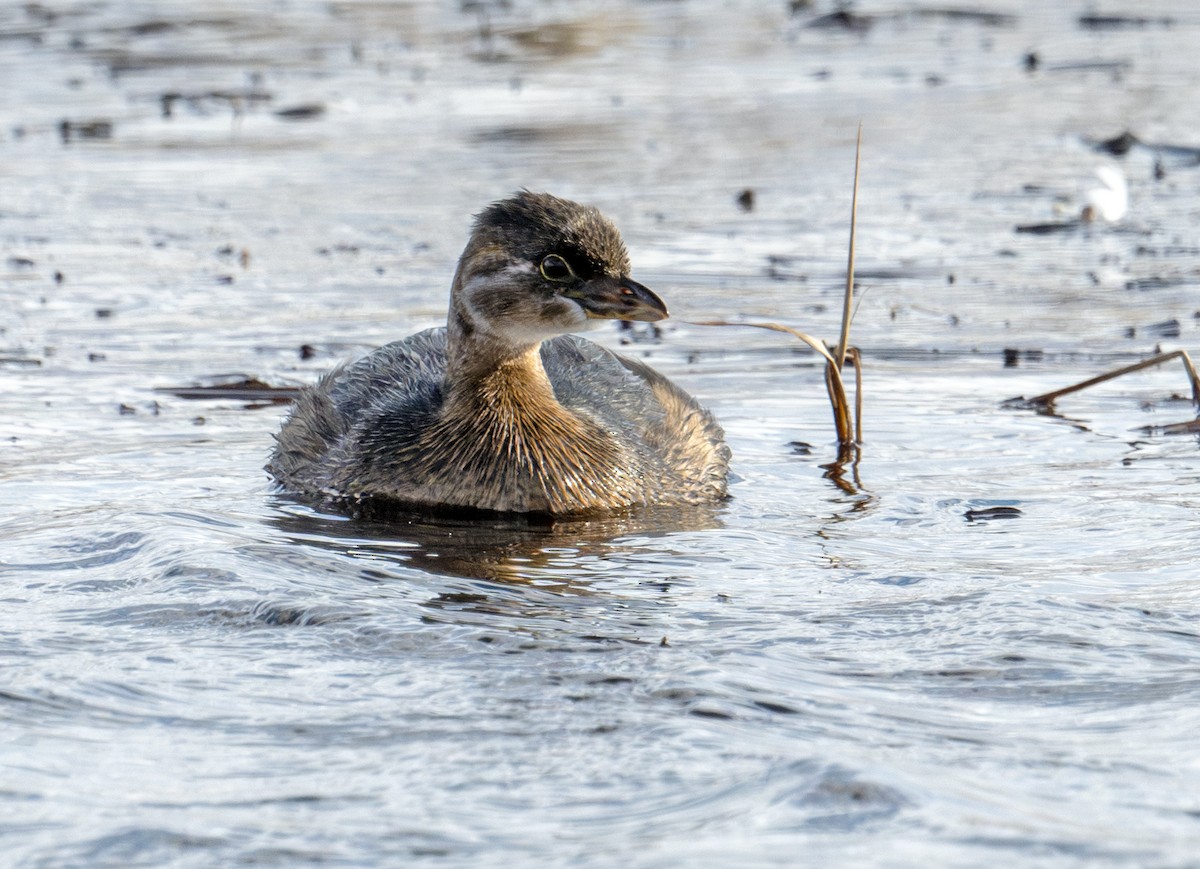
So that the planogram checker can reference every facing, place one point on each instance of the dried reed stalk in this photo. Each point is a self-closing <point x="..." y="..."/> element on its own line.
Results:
<point x="847" y="422"/>
<point x="1047" y="399"/>
<point x="833" y="375"/>
<point x="848" y="298"/>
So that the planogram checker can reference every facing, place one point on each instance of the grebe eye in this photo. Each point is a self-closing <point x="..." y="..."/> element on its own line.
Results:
<point x="555" y="268"/>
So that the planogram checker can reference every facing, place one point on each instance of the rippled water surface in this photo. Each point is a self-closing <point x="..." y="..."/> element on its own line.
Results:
<point x="980" y="646"/>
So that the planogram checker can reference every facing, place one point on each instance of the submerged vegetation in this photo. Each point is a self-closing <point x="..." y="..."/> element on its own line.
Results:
<point x="1045" y="401"/>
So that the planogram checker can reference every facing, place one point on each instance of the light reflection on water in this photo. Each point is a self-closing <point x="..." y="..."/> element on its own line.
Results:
<point x="873" y="672"/>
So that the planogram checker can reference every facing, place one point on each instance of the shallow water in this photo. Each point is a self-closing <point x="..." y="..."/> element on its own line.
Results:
<point x="864" y="670"/>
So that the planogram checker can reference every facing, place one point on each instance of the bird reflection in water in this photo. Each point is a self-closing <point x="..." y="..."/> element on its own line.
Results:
<point x="504" y="548"/>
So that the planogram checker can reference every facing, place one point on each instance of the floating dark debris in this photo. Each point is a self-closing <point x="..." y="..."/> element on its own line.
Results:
<point x="896" y="274"/>
<point x="1013" y="356"/>
<point x="1123" y="143"/>
<point x="1167" y="250"/>
<point x="1156" y="282"/>
<point x="843" y="19"/>
<point x="304" y="112"/>
<point x="151" y="28"/>
<point x="72" y="130"/>
<point x="1118" y="22"/>
<point x="1113" y="67"/>
<point x="1049" y="228"/>
<point x="1119" y="145"/>
<point x="986" y="514"/>
<point x="1165" y="329"/>
<point x="249" y="389"/>
<point x="20" y="360"/>
<point x="971" y="16"/>
<point x="846" y="19"/>
<point x="1192" y="426"/>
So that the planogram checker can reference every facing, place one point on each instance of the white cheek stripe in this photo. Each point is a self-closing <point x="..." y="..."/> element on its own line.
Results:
<point x="517" y="268"/>
<point x="519" y="333"/>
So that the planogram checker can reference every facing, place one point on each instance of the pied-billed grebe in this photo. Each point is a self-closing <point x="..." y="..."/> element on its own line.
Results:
<point x="502" y="410"/>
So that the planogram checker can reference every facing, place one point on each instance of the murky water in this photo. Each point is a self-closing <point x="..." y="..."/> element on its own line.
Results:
<point x="881" y="670"/>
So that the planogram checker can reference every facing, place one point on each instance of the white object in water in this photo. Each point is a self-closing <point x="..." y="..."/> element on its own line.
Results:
<point x="1110" y="202"/>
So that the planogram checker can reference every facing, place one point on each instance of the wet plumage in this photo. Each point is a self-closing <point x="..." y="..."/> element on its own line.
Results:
<point x="503" y="410"/>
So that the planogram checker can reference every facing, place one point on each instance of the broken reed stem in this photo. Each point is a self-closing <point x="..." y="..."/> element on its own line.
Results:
<point x="856" y="358"/>
<point x="833" y="377"/>
<point x="1191" y="371"/>
<point x="1047" y="399"/>
<point x="835" y="357"/>
<point x="837" y="400"/>
<point x="848" y="299"/>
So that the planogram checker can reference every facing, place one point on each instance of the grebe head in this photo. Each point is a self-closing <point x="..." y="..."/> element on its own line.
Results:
<point x="537" y="266"/>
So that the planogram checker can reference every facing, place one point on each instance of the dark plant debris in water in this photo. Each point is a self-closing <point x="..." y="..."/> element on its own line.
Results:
<point x="30" y="361"/>
<point x="1013" y="356"/>
<point x="1116" y="68"/>
<point x="986" y="514"/>
<point x="967" y="16"/>
<point x="1124" y="142"/>
<point x="849" y="20"/>
<point x="1166" y="328"/>
<point x="1157" y="282"/>
<point x="247" y="389"/>
<point x="304" y="112"/>
<point x="843" y="19"/>
<point x="1049" y="228"/>
<point x="97" y="129"/>
<point x="1092" y="21"/>
<point x="1191" y="426"/>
